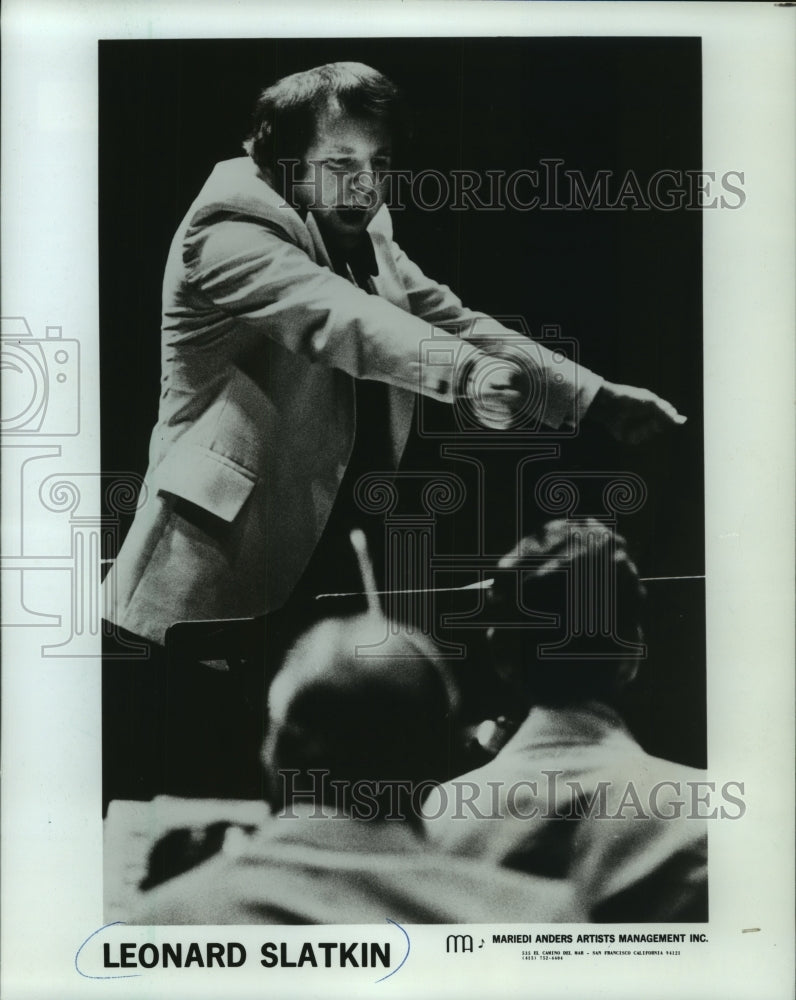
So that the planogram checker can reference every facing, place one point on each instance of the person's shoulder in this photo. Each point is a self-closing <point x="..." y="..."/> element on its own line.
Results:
<point x="447" y="799"/>
<point x="476" y="890"/>
<point x="237" y="188"/>
<point x="673" y="776"/>
<point x="240" y="178"/>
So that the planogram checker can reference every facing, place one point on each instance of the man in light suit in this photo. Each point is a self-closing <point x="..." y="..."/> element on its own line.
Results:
<point x="571" y="794"/>
<point x="352" y="742"/>
<point x="288" y="312"/>
<point x="285" y="299"/>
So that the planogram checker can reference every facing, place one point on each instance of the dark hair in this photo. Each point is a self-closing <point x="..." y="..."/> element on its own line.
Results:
<point x="286" y="113"/>
<point x="581" y="573"/>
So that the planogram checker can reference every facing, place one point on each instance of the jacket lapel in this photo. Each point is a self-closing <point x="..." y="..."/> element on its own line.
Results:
<point x="320" y="253"/>
<point x="386" y="285"/>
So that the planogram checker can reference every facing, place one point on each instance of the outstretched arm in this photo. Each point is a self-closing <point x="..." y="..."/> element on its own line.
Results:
<point x="630" y="414"/>
<point x="247" y="274"/>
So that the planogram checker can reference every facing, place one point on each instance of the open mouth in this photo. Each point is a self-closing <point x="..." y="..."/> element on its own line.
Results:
<point x="352" y="216"/>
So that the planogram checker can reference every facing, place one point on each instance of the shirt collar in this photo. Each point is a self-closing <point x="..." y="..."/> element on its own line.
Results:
<point x="357" y="262"/>
<point x="585" y="724"/>
<point x="323" y="827"/>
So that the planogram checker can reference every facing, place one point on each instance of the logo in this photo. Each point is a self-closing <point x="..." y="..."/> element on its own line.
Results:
<point x="508" y="358"/>
<point x="41" y="386"/>
<point x="459" y="942"/>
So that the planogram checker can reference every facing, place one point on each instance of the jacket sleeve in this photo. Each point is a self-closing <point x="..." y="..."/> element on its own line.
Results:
<point x="250" y="270"/>
<point x="567" y="388"/>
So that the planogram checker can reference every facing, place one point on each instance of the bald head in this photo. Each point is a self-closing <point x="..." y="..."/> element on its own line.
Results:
<point x="362" y="704"/>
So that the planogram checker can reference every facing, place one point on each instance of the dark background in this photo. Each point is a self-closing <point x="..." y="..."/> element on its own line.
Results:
<point x="625" y="285"/>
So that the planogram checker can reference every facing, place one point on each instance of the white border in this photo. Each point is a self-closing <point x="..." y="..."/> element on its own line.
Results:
<point x="51" y="846"/>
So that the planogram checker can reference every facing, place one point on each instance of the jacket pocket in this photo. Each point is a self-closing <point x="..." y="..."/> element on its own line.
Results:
<point x="205" y="478"/>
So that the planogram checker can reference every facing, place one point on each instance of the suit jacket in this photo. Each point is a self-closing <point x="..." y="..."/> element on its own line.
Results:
<point x="261" y="342"/>
<point x="573" y="796"/>
<point x="336" y="870"/>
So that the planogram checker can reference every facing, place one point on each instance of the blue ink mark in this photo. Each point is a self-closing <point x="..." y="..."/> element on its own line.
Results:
<point x="403" y="960"/>
<point x="127" y="975"/>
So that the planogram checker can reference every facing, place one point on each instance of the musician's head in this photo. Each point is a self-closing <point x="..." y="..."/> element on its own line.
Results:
<point x="582" y="588"/>
<point x="365" y="708"/>
<point x="325" y="138"/>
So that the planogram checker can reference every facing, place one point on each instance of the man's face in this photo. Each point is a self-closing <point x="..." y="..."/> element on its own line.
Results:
<point x="341" y="178"/>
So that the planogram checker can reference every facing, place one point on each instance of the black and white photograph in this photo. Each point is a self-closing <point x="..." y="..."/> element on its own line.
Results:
<point x="316" y="375"/>
<point x="399" y="561"/>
